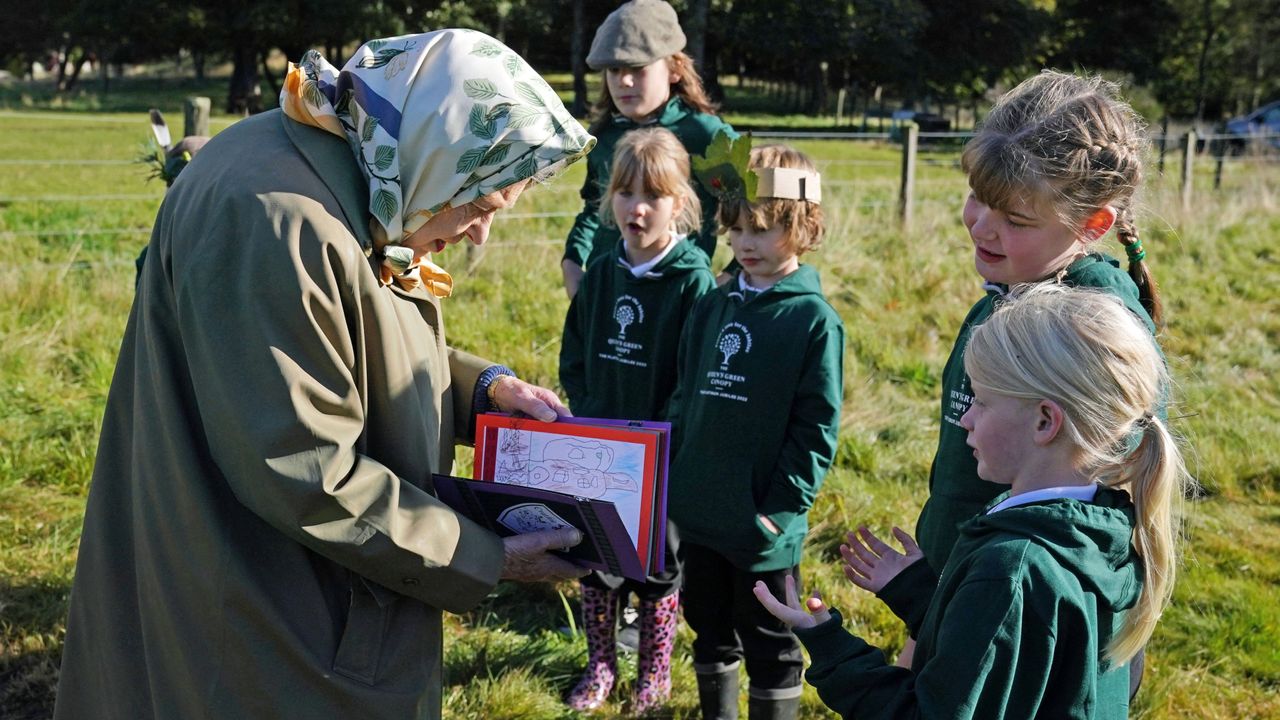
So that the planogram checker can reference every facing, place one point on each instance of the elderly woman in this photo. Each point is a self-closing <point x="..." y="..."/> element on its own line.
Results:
<point x="261" y="539"/>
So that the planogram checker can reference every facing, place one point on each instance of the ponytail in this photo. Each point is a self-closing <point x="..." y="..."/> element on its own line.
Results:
<point x="1154" y="476"/>
<point x="1148" y="293"/>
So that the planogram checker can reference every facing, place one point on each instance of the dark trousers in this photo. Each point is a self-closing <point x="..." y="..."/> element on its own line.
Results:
<point x="732" y="626"/>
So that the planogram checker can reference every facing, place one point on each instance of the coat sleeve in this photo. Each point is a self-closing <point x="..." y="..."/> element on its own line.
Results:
<point x="812" y="428"/>
<point x="274" y="332"/>
<point x="465" y="370"/>
<point x="992" y="660"/>
<point x="582" y="236"/>
<point x="908" y="594"/>
<point x="573" y="365"/>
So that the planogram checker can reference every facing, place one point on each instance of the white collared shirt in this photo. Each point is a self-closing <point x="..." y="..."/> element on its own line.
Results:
<point x="1083" y="493"/>
<point x="642" y="268"/>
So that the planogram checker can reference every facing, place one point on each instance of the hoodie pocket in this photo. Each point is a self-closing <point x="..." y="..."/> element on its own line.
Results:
<point x="360" y="650"/>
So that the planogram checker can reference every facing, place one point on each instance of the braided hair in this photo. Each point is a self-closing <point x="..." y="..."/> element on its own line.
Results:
<point x="1072" y="139"/>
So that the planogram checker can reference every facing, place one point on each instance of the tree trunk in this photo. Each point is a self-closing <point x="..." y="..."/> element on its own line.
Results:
<point x="197" y="62"/>
<point x="271" y="79"/>
<point x="1209" y="31"/>
<point x="75" y="71"/>
<point x="244" y="96"/>
<point x="695" y="30"/>
<point x="577" y="47"/>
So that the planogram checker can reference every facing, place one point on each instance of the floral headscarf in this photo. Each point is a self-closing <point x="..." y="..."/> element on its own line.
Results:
<point x="436" y="121"/>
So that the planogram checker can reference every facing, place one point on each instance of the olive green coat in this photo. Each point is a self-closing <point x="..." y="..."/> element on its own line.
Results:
<point x="260" y="539"/>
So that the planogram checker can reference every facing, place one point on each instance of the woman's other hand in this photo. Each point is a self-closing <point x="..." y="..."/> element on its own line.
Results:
<point x="527" y="557"/>
<point x="814" y="612"/>
<point x="870" y="563"/>
<point x="513" y="395"/>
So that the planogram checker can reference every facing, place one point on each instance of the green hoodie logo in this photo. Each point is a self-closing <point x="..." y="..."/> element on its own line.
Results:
<point x="734" y="338"/>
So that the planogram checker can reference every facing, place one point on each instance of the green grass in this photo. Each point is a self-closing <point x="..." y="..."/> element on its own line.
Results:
<point x="73" y="229"/>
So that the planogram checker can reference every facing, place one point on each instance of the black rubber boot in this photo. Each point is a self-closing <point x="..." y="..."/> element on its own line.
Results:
<point x="773" y="709"/>
<point x="718" y="695"/>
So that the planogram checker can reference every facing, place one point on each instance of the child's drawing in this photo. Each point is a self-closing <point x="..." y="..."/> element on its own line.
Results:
<point x="585" y="467"/>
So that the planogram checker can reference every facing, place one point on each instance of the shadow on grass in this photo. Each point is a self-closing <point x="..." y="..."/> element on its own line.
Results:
<point x="30" y="648"/>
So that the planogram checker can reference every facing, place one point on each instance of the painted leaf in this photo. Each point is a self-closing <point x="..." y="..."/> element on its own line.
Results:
<point x="380" y="58"/>
<point x="500" y="110"/>
<point x="470" y="160"/>
<point x="480" y="89"/>
<point x="384" y="205"/>
<point x="526" y="92"/>
<point x="313" y="95"/>
<point x="383" y="156"/>
<point x="485" y="48"/>
<point x="376" y="45"/>
<point x="512" y="64"/>
<point x="524" y="116"/>
<point x="479" y="123"/>
<point x="526" y="167"/>
<point x="366" y="131"/>
<point x="496" y="154"/>
<point x="344" y="101"/>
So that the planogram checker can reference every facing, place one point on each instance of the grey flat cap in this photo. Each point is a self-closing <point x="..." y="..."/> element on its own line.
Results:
<point x="636" y="34"/>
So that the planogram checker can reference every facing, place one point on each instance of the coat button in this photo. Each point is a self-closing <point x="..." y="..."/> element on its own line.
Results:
<point x="410" y="581"/>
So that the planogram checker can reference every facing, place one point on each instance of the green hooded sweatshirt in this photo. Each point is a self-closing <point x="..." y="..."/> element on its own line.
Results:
<point x="618" y="355"/>
<point x="589" y="239"/>
<point x="1017" y="628"/>
<point x="956" y="493"/>
<point x="755" y="415"/>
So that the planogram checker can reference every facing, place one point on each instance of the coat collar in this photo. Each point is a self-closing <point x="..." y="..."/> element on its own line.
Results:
<point x="334" y="164"/>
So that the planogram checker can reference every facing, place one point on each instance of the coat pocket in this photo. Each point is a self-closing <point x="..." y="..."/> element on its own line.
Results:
<point x="360" y="650"/>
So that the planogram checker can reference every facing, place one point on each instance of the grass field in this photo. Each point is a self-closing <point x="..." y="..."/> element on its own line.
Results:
<point x="74" y="213"/>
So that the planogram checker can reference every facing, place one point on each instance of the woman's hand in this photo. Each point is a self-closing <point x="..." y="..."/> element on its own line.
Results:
<point x="814" y="612"/>
<point x="528" y="558"/>
<point x="573" y="273"/>
<point x="514" y="395"/>
<point x="870" y="564"/>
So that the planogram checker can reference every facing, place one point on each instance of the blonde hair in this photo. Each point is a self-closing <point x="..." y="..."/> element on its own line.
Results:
<point x="656" y="156"/>
<point x="801" y="220"/>
<point x="688" y="88"/>
<point x="1085" y="351"/>
<point x="1072" y="140"/>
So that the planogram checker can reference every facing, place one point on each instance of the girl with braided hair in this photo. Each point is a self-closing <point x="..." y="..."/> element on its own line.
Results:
<point x="1055" y="166"/>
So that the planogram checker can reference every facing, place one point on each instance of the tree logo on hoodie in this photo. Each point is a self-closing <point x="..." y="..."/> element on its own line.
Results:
<point x="734" y="338"/>
<point x="627" y="311"/>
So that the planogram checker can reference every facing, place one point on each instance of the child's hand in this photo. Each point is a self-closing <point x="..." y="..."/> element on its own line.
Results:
<point x="813" y="613"/>
<point x="870" y="564"/>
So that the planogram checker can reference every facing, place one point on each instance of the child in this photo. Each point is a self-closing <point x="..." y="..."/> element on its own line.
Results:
<point x="648" y="80"/>
<point x="756" y="413"/>
<point x="618" y="360"/>
<point x="1063" y="579"/>
<point x="1054" y="167"/>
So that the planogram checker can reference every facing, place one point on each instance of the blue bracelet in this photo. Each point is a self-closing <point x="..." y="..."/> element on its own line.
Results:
<point x="480" y="398"/>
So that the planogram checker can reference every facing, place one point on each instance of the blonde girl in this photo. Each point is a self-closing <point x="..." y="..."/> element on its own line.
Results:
<point x="648" y="81"/>
<point x="1052" y="590"/>
<point x="618" y="360"/>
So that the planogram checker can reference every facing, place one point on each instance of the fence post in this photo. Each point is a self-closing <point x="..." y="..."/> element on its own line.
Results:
<point x="1219" y="151"/>
<point x="195" y="117"/>
<point x="907" y="191"/>
<point x="1188" y="160"/>
<point x="1164" y="137"/>
<point x="840" y="106"/>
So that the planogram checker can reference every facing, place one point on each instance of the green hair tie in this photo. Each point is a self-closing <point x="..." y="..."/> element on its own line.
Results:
<point x="1135" y="252"/>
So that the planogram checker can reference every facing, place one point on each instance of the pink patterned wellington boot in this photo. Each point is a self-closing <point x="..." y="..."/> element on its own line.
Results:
<point x="599" y="618"/>
<point x="657" y="638"/>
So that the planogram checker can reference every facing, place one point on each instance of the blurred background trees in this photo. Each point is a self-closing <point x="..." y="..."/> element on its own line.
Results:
<point x="1200" y="59"/>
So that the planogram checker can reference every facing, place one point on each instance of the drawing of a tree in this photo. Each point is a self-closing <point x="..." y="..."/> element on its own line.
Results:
<point x="729" y="345"/>
<point x="625" y="316"/>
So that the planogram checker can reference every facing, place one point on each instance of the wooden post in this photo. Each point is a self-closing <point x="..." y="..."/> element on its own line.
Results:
<point x="195" y="116"/>
<point x="840" y="107"/>
<point x="1164" y="136"/>
<point x="910" y="138"/>
<point x="1219" y="151"/>
<point x="1188" y="161"/>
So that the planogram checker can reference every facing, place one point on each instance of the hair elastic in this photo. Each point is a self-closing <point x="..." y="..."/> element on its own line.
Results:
<point x="1134" y="251"/>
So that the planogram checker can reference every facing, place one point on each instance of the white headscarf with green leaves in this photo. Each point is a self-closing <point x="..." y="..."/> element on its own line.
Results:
<point x="435" y="121"/>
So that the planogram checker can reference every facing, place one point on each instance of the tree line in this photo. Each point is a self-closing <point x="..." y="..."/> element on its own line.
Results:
<point x="1201" y="59"/>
